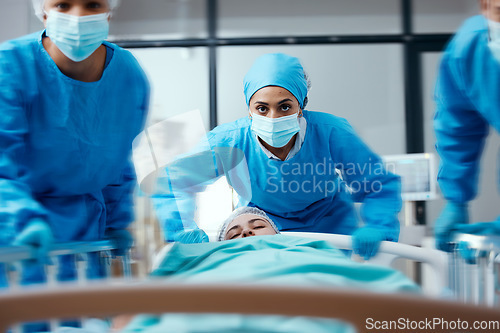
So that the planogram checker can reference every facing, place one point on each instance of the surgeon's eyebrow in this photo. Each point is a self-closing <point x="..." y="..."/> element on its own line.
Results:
<point x="285" y="100"/>
<point x="280" y="102"/>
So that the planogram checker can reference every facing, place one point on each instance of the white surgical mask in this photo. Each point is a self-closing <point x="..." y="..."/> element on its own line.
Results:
<point x="77" y="36"/>
<point x="276" y="132"/>
<point x="494" y="40"/>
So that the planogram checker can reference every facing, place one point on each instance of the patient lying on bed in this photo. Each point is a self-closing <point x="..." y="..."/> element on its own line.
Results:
<point x="270" y="259"/>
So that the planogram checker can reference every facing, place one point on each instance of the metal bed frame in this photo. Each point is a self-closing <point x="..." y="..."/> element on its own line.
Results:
<point x="116" y="296"/>
<point x="352" y="307"/>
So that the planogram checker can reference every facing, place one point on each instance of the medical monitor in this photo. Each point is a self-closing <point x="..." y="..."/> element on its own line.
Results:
<point x="418" y="175"/>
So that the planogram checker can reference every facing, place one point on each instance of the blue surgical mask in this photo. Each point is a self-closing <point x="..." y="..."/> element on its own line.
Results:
<point x="276" y="132"/>
<point x="77" y="36"/>
<point x="494" y="40"/>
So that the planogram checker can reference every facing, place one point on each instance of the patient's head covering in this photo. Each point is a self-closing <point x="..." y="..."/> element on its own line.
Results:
<point x="276" y="69"/>
<point x="244" y="211"/>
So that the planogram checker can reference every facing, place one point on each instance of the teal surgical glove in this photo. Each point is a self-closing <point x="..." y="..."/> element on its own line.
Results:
<point x="482" y="229"/>
<point x="452" y="216"/>
<point x="191" y="236"/>
<point x="121" y="239"/>
<point x="366" y="241"/>
<point x="36" y="234"/>
<point x="468" y="254"/>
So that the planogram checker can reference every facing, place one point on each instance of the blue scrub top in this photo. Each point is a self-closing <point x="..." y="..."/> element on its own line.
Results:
<point x="467" y="103"/>
<point x="65" y="144"/>
<point x="303" y="193"/>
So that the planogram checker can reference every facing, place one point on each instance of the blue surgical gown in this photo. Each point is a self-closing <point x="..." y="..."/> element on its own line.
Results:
<point x="467" y="103"/>
<point x="65" y="144"/>
<point x="303" y="193"/>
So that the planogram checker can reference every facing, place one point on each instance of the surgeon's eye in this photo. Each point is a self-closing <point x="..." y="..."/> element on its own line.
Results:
<point x="62" y="5"/>
<point x="94" y="5"/>
<point x="261" y="109"/>
<point x="285" y="107"/>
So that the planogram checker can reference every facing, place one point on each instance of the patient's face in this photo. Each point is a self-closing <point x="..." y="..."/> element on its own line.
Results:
<point x="248" y="225"/>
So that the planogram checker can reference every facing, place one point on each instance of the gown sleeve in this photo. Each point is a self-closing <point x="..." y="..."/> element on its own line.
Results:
<point x="119" y="195"/>
<point x="364" y="173"/>
<point x="118" y="198"/>
<point x="174" y="197"/>
<point x="460" y="134"/>
<point x="17" y="205"/>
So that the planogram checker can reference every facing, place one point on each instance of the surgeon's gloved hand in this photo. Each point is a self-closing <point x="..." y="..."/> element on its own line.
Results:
<point x="38" y="235"/>
<point x="121" y="239"/>
<point x="191" y="236"/>
<point x="452" y="216"/>
<point x="466" y="252"/>
<point x="366" y="241"/>
<point x="482" y="228"/>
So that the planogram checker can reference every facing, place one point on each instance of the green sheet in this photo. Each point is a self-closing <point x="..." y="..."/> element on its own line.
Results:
<point x="268" y="260"/>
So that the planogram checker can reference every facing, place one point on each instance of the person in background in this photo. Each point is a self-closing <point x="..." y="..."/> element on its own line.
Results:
<point x="294" y="159"/>
<point x="467" y="104"/>
<point x="71" y="104"/>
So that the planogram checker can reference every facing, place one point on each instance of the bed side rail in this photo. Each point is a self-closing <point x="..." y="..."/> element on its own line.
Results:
<point x="391" y="251"/>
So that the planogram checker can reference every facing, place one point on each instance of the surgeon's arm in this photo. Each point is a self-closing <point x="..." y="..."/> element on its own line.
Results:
<point x="460" y="134"/>
<point x="17" y="204"/>
<point x="118" y="198"/>
<point x="175" y="195"/>
<point x="364" y="172"/>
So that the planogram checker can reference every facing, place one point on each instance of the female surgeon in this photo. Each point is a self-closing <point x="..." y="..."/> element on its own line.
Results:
<point x="71" y="105"/>
<point x="291" y="162"/>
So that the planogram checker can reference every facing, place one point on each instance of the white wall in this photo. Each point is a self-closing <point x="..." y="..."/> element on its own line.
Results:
<point x="443" y="16"/>
<point x="160" y="19"/>
<point x="15" y="18"/>
<point x="179" y="80"/>
<point x="298" y="17"/>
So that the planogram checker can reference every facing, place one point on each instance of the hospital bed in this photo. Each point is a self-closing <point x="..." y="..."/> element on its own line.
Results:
<point x="12" y="257"/>
<point x="452" y="277"/>
<point x="478" y="282"/>
<point x="135" y="296"/>
<point x="350" y="306"/>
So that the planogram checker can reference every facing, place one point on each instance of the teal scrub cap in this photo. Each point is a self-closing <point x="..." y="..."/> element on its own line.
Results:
<point x="276" y="69"/>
